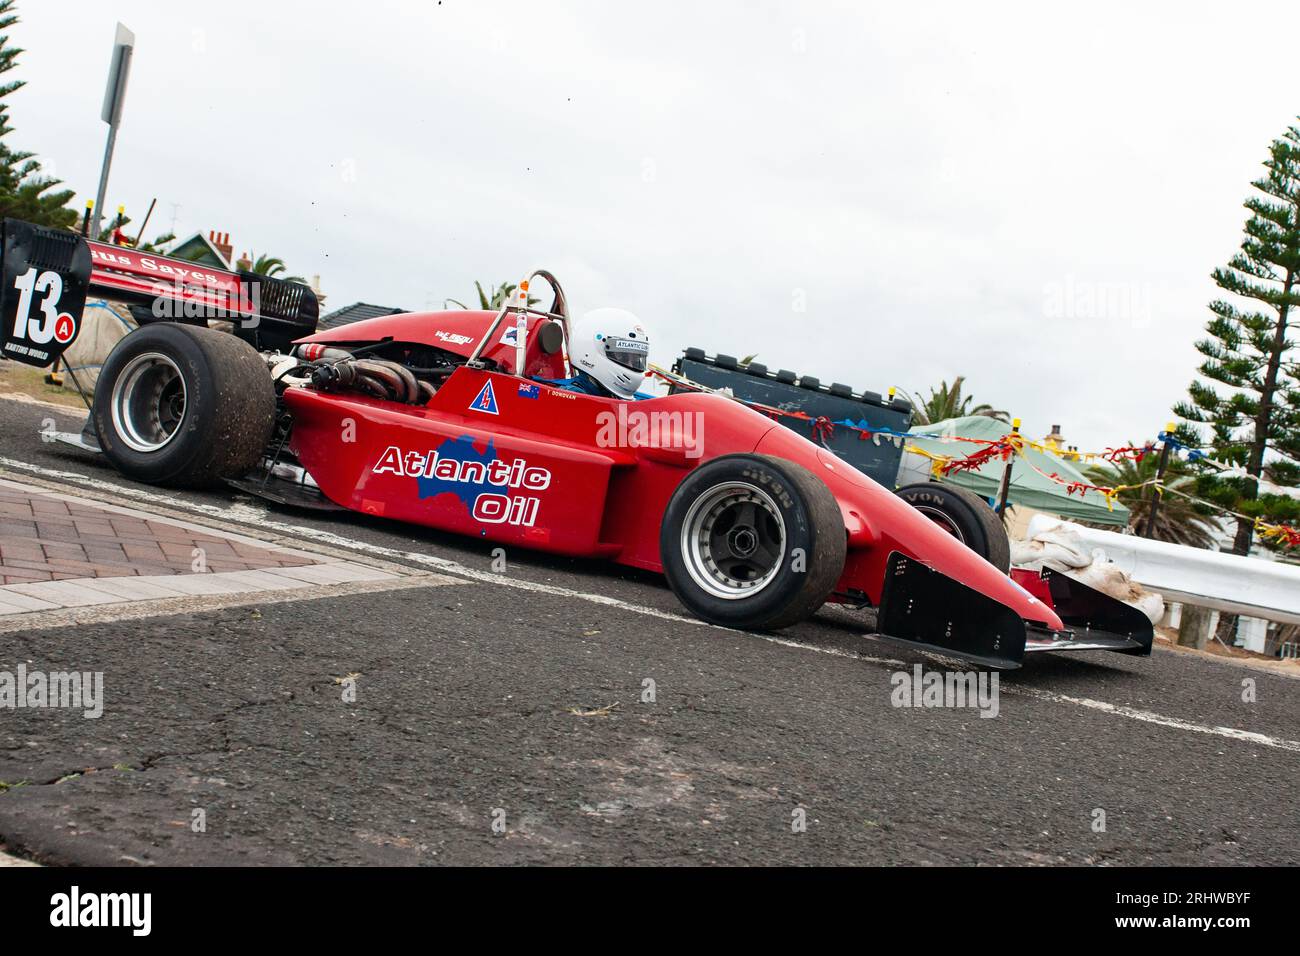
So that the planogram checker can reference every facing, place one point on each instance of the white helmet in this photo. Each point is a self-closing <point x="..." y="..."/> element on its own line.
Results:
<point x="611" y="346"/>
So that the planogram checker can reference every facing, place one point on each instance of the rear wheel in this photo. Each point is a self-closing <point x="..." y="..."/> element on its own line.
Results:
<point x="965" y="516"/>
<point x="754" y="542"/>
<point x="182" y="405"/>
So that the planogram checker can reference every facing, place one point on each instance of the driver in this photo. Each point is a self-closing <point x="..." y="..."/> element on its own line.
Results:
<point x="609" y="353"/>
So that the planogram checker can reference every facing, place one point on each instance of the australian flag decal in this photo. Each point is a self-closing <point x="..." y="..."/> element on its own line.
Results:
<point x="528" y="391"/>
<point x="486" y="400"/>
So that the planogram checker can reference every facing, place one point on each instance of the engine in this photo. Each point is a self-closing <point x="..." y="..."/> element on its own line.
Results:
<point x="390" y="371"/>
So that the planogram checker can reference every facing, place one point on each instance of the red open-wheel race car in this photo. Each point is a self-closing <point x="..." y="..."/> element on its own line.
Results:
<point x="441" y="419"/>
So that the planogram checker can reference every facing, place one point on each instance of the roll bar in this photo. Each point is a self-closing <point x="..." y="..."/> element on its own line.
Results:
<point x="518" y="304"/>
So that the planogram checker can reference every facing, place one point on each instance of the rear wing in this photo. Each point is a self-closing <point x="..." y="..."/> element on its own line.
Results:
<point x="48" y="273"/>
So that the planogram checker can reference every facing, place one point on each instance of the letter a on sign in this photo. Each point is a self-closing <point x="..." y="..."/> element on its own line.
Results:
<point x="486" y="400"/>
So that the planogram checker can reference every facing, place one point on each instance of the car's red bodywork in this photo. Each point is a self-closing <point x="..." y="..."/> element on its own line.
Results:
<point x="601" y="498"/>
<point x="512" y="460"/>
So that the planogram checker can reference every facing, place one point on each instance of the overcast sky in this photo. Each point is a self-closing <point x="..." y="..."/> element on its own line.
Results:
<point x="1029" y="195"/>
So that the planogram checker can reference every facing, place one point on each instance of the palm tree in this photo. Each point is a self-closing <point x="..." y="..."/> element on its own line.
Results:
<point x="493" y="302"/>
<point x="1178" y="521"/>
<point x="272" y="267"/>
<point x="948" y="402"/>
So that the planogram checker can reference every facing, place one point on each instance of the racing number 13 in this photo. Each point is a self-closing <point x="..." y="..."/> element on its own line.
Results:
<point x="49" y="285"/>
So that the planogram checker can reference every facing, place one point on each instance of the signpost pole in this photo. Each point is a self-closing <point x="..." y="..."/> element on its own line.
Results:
<point x="114" y="97"/>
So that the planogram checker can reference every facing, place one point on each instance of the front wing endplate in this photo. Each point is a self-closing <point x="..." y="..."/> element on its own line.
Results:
<point x="922" y="607"/>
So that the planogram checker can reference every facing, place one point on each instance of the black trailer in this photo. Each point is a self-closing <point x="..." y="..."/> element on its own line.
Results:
<point x="788" y="392"/>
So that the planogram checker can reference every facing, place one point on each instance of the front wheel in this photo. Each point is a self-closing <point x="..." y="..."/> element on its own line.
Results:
<point x="965" y="516"/>
<point x="752" y="542"/>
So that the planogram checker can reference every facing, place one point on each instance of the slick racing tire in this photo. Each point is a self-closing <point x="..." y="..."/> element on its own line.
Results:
<point x="182" y="405"/>
<point x="752" y="542"/>
<point x="965" y="516"/>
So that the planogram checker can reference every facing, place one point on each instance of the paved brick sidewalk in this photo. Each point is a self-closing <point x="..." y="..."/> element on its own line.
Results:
<point x="63" y="551"/>
<point x="44" y="537"/>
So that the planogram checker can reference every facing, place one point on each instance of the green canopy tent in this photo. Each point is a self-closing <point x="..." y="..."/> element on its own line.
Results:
<point x="1028" y="487"/>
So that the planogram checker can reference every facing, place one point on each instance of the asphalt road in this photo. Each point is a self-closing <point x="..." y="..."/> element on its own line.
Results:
<point x="464" y="717"/>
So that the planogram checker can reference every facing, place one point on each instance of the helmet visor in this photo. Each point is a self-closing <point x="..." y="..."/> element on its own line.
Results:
<point x="628" y="353"/>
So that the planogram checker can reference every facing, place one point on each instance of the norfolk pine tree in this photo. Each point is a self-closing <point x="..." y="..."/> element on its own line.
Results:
<point x="1247" y="396"/>
<point x="24" y="192"/>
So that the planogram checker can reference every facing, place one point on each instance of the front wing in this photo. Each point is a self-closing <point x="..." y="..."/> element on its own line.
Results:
<point x="926" y="609"/>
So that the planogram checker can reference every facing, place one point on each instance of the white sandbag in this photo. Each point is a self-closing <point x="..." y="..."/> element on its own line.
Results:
<point x="1059" y="547"/>
<point x="103" y="325"/>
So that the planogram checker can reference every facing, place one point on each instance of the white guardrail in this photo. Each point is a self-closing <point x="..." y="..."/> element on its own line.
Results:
<point x="1226" y="582"/>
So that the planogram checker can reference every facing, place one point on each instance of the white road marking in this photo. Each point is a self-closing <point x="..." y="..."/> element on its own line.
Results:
<point x="261" y="518"/>
<point x="1149" y="717"/>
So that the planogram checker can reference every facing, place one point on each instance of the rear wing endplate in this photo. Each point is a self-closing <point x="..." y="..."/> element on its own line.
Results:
<point x="43" y="287"/>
